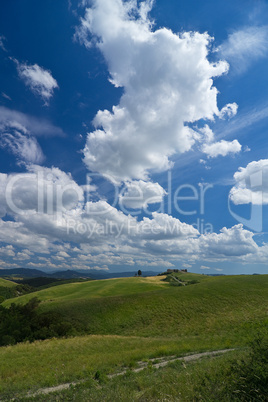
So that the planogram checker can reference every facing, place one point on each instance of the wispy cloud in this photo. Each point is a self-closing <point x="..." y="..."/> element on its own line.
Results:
<point x="245" y="46"/>
<point x="2" y="43"/>
<point x="24" y="147"/>
<point x="37" y="127"/>
<point x="39" y="80"/>
<point x="244" y="120"/>
<point x="5" y="96"/>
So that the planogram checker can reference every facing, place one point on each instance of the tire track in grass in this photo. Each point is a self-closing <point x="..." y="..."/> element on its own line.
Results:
<point x="156" y="363"/>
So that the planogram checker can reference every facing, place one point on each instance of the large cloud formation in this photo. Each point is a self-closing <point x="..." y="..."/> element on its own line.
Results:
<point x="54" y="223"/>
<point x="168" y="84"/>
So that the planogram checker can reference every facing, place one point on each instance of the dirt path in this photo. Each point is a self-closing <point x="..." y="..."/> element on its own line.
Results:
<point x="177" y="280"/>
<point x="164" y="361"/>
<point x="155" y="363"/>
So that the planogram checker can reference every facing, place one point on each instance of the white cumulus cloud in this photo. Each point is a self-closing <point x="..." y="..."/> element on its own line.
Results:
<point x="39" y="80"/>
<point x="167" y="81"/>
<point x="251" y="184"/>
<point x="233" y="242"/>
<point x="221" y="148"/>
<point x="229" y="110"/>
<point x="138" y="194"/>
<point x="39" y="191"/>
<point x="51" y="216"/>
<point x="7" y="251"/>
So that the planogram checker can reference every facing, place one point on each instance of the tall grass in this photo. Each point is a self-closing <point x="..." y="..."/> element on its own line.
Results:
<point x="239" y="376"/>
<point x="177" y="382"/>
<point x="51" y="362"/>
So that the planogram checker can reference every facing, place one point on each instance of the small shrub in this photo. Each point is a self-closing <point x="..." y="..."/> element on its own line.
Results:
<point x="193" y="282"/>
<point x="175" y="284"/>
<point x="100" y="377"/>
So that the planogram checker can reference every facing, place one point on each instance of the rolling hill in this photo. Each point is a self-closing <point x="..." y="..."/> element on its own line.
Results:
<point x="152" y="307"/>
<point x="92" y="289"/>
<point x="7" y="284"/>
<point x="120" y="322"/>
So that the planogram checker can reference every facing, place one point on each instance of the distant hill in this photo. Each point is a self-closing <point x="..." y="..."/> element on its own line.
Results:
<point x="68" y="274"/>
<point x="22" y="272"/>
<point x="95" y="274"/>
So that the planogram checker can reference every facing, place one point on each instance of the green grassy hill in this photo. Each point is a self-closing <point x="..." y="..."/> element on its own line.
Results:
<point x="7" y="289"/>
<point x="219" y="307"/>
<point x="93" y="289"/>
<point x="7" y="284"/>
<point x="130" y="319"/>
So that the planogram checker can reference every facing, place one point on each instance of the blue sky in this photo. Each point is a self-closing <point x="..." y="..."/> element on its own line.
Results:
<point x="134" y="135"/>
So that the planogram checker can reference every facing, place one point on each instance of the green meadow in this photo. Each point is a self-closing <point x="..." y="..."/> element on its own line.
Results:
<point x="92" y="289"/>
<point x="121" y="322"/>
<point x="7" y="289"/>
<point x="7" y="284"/>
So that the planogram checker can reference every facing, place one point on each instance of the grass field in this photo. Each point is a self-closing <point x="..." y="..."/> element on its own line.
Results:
<point x="7" y="289"/>
<point x="131" y="319"/>
<point x="93" y="289"/>
<point x="60" y="360"/>
<point x="7" y="284"/>
<point x="177" y="382"/>
<point x="150" y="307"/>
